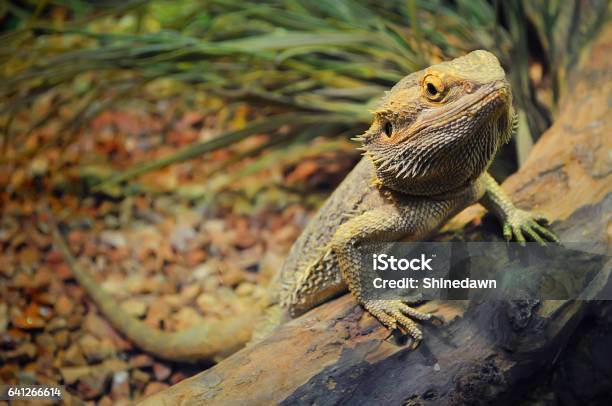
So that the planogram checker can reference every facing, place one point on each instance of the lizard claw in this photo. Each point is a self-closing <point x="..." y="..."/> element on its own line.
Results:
<point x="522" y="225"/>
<point x="395" y="314"/>
<point x="413" y="343"/>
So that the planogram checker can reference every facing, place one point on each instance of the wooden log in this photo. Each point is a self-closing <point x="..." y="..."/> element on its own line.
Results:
<point x="337" y="354"/>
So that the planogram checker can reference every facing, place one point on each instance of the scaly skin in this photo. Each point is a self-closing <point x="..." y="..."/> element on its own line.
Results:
<point x="427" y="152"/>
<point x="432" y="139"/>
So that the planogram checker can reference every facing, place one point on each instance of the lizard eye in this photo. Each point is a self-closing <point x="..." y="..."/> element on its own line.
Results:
<point x="433" y="87"/>
<point x="388" y="129"/>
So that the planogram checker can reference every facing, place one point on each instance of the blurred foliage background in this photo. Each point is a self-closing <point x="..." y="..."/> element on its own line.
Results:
<point x="284" y="80"/>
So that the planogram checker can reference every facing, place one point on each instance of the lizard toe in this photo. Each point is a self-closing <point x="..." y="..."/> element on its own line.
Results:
<point x="394" y="314"/>
<point x="411" y="312"/>
<point x="522" y="225"/>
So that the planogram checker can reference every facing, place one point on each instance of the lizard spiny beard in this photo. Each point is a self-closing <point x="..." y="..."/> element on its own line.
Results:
<point x="446" y="157"/>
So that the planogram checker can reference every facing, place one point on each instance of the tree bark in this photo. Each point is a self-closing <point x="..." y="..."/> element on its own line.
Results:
<point x="337" y="354"/>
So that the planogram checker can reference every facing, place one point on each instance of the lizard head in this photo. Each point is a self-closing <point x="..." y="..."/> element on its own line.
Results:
<point x="440" y="128"/>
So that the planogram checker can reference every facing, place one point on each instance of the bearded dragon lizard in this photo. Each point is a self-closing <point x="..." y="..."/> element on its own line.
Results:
<point x="432" y="138"/>
<point x="426" y="157"/>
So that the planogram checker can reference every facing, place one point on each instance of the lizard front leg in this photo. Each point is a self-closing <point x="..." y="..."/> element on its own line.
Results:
<point x="387" y="223"/>
<point x="518" y="224"/>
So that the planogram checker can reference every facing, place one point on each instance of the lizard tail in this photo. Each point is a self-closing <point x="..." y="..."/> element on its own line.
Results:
<point x="210" y="341"/>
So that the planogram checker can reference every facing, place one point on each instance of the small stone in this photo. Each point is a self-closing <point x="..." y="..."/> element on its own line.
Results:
<point x="161" y="371"/>
<point x="93" y="385"/>
<point x="45" y="312"/>
<point x="180" y="238"/>
<point x="96" y="325"/>
<point x="134" y="307"/>
<point x="120" y="387"/>
<point x="89" y="347"/>
<point x="47" y="299"/>
<point x="39" y="165"/>
<point x="111" y="221"/>
<point x="214" y="226"/>
<point x="62" y="338"/>
<point x="114" y="239"/>
<point x="177" y="377"/>
<point x="134" y="283"/>
<point x="141" y="361"/>
<point x="75" y="320"/>
<point x="205" y="270"/>
<point x="232" y="275"/>
<point x="115" y="365"/>
<point x="76" y="239"/>
<point x="90" y="249"/>
<point x="42" y="277"/>
<point x="28" y="322"/>
<point x="105" y="401"/>
<point x="55" y="324"/>
<point x="246" y="240"/>
<point x="94" y="349"/>
<point x="74" y="356"/>
<point x="63" y="272"/>
<point x="54" y="257"/>
<point x="261" y="293"/>
<point x="6" y="270"/>
<point x="8" y="341"/>
<point x="4" y="317"/>
<point x="189" y="293"/>
<point x="245" y="289"/>
<point x="118" y="255"/>
<point x="153" y="284"/>
<point x="72" y="374"/>
<point x="227" y="296"/>
<point x="172" y="301"/>
<point x="22" y="280"/>
<point x="64" y="306"/>
<point x="155" y="387"/>
<point x="211" y="284"/>
<point x="194" y="257"/>
<point x="24" y="352"/>
<point x="29" y="256"/>
<point x="28" y="349"/>
<point x="140" y="378"/>
<point x="46" y="343"/>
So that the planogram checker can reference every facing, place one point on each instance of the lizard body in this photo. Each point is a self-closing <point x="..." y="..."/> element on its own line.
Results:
<point x="433" y="137"/>
<point x="431" y="141"/>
